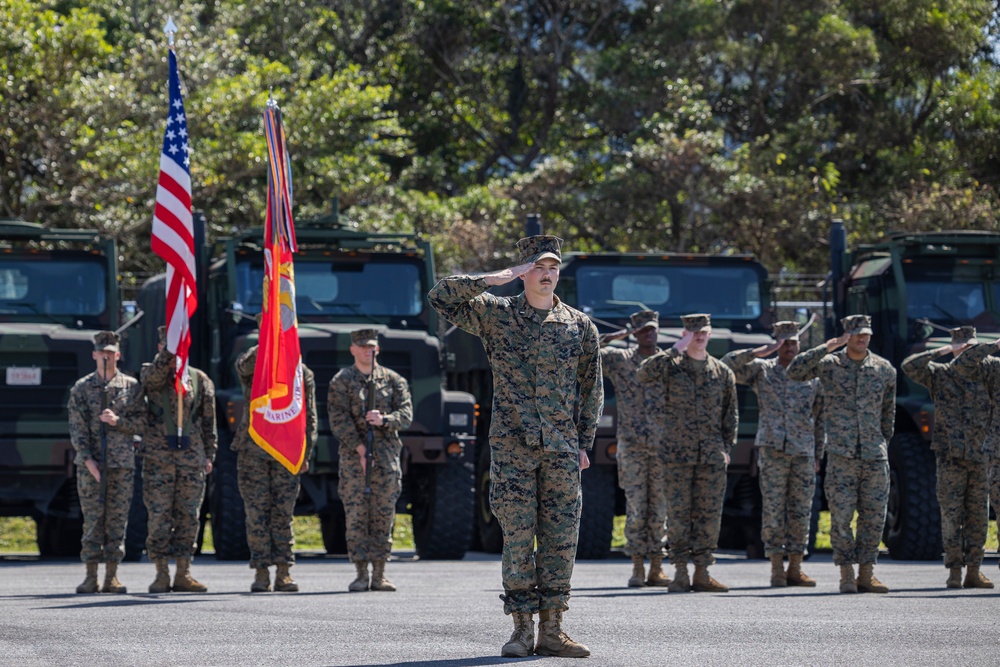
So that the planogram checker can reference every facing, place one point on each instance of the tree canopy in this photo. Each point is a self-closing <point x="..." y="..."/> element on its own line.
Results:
<point x="629" y="125"/>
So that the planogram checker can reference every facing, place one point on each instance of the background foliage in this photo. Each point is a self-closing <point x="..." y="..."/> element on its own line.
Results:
<point x="683" y="125"/>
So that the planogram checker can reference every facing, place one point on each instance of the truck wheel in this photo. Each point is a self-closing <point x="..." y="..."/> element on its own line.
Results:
<point x="228" y="515"/>
<point x="817" y="505"/>
<point x="138" y="518"/>
<point x="58" y="537"/>
<point x="487" y="526"/>
<point x="598" y="514"/>
<point x="913" y="517"/>
<point x="333" y="526"/>
<point x="442" y="508"/>
<point x="741" y="516"/>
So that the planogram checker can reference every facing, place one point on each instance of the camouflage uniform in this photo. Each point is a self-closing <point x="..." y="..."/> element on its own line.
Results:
<point x="641" y="473"/>
<point x="268" y="489"/>
<point x="103" y="524"/>
<point x="860" y="408"/>
<point x="547" y="400"/>
<point x="978" y="365"/>
<point x="173" y="480"/>
<point x="790" y="441"/>
<point x="369" y="518"/>
<point x="700" y="408"/>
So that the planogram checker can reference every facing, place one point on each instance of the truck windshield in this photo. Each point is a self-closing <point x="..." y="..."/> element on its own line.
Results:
<point x="947" y="302"/>
<point x="727" y="292"/>
<point x="50" y="285"/>
<point x="344" y="288"/>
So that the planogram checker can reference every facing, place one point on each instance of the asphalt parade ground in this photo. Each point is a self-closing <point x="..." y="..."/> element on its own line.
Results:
<point x="447" y="614"/>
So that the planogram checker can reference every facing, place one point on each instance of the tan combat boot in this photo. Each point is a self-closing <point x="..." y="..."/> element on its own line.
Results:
<point x="656" y="576"/>
<point x="867" y="583"/>
<point x="379" y="582"/>
<point x="360" y="582"/>
<point x="638" y="578"/>
<point x="976" y="579"/>
<point x="704" y="583"/>
<point x="161" y="584"/>
<point x="954" y="577"/>
<point x="681" y="582"/>
<point x="261" y="581"/>
<point x="283" y="581"/>
<point x="778" y="579"/>
<point x="553" y="641"/>
<point x="795" y="576"/>
<point x="847" y="582"/>
<point x="111" y="583"/>
<point x="183" y="581"/>
<point x="89" y="584"/>
<point x="522" y="641"/>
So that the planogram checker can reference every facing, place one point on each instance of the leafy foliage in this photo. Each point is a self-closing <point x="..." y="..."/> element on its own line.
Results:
<point x="700" y="125"/>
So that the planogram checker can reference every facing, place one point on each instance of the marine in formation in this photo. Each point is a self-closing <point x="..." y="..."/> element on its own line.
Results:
<point x="547" y="400"/>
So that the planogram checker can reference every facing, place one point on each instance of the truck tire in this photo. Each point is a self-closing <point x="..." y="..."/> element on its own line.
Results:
<point x="487" y="526"/>
<point x="58" y="537"/>
<point x="817" y="505"/>
<point x="333" y="526"/>
<point x="443" y="508"/>
<point x="742" y="516"/>
<point x="229" y="531"/>
<point x="598" y="514"/>
<point x="138" y="519"/>
<point x="913" y="516"/>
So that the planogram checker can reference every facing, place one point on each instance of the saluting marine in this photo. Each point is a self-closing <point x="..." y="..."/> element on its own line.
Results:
<point x="790" y="442"/>
<point x="699" y="405"/>
<point x="640" y="466"/>
<point x="370" y="473"/>
<point x="105" y="462"/>
<point x="859" y="394"/>
<point x="175" y="467"/>
<point x="967" y="444"/>
<point x="547" y="400"/>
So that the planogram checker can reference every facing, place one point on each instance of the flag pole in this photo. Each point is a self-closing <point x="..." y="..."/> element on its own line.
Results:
<point x="171" y="29"/>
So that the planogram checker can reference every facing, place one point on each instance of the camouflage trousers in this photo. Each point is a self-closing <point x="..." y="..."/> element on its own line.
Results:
<point x="369" y="518"/>
<point x="641" y="477"/>
<point x="787" y="485"/>
<point x="104" y="523"/>
<point x="535" y="496"/>
<point x="963" y="494"/>
<point x="856" y="485"/>
<point x="694" y="504"/>
<point x="994" y="465"/>
<point x="173" y="496"/>
<point x="269" y="492"/>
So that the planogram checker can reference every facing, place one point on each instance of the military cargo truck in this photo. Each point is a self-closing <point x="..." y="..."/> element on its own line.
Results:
<point x="344" y="280"/>
<point x="904" y="281"/>
<point x="58" y="287"/>
<point x="609" y="287"/>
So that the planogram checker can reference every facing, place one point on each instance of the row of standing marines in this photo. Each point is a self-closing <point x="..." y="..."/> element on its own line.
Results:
<point x="677" y="425"/>
<point x="112" y="407"/>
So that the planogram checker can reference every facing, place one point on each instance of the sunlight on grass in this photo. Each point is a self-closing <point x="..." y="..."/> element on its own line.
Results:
<point x="17" y="534"/>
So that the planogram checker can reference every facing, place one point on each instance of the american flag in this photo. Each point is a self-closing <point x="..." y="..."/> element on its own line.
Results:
<point x="173" y="231"/>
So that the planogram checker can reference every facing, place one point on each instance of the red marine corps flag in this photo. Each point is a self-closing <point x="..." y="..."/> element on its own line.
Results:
<point x="277" y="399"/>
<point x="173" y="232"/>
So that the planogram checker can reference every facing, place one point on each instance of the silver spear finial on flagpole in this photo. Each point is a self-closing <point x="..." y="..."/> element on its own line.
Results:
<point x="170" y="29"/>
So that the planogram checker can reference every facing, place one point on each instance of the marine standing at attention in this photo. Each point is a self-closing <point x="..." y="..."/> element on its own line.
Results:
<point x="105" y="462"/>
<point x="368" y="405"/>
<point x="175" y="468"/>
